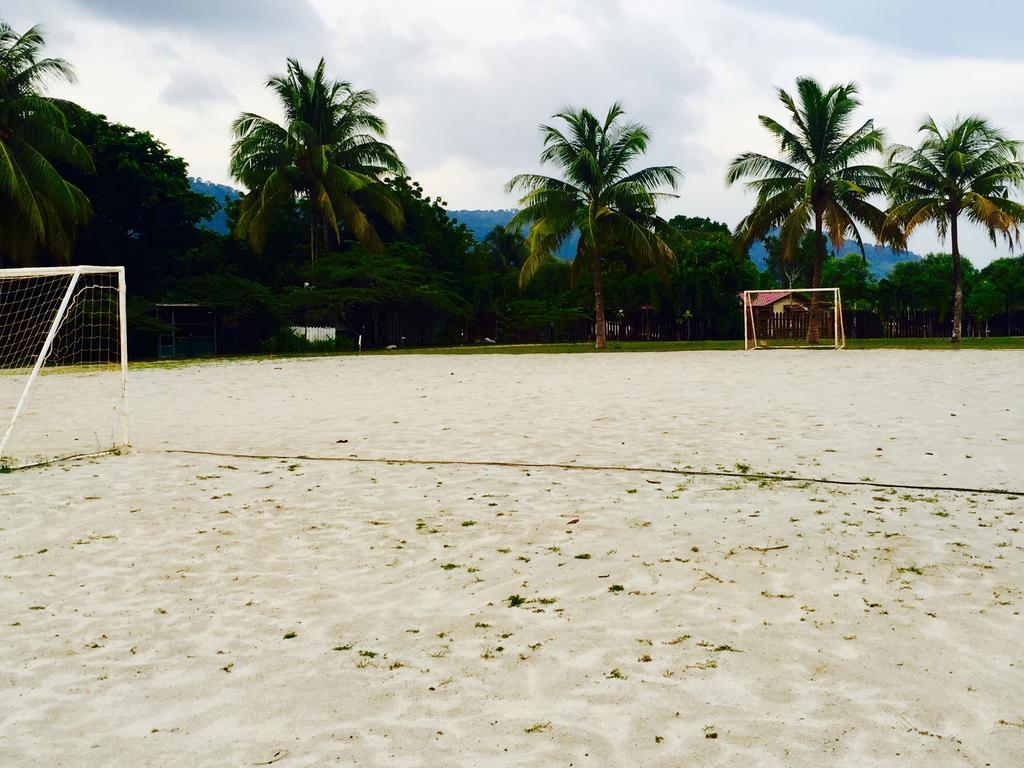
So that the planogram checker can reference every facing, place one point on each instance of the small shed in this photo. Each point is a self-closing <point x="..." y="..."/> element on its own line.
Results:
<point x="778" y="302"/>
<point x="190" y="330"/>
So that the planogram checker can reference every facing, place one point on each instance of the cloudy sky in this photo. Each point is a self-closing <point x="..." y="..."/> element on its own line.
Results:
<point x="463" y="84"/>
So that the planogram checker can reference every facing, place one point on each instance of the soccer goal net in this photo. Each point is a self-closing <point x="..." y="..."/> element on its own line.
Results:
<point x="63" y="363"/>
<point x="795" y="317"/>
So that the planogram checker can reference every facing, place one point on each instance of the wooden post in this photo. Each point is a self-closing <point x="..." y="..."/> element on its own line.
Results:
<point x="753" y="326"/>
<point x="745" y="295"/>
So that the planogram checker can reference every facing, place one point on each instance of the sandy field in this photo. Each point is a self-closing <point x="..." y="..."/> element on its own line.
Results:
<point x="163" y="608"/>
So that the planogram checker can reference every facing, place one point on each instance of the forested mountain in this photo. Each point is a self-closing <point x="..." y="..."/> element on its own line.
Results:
<point x="480" y="223"/>
<point x="222" y="194"/>
<point x="881" y="259"/>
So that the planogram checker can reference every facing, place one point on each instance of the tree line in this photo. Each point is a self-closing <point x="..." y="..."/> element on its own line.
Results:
<point x="332" y="230"/>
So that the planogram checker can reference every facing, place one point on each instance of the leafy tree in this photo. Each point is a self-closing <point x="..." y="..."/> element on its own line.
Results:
<point x="984" y="302"/>
<point x="796" y="270"/>
<point x="430" y="276"/>
<point x="39" y="210"/>
<point x="852" y="276"/>
<point x="507" y="253"/>
<point x="145" y="212"/>
<point x="966" y="169"/>
<point x="427" y="223"/>
<point x="698" y="224"/>
<point x="710" y="274"/>
<point x="818" y="181"/>
<point x="1007" y="276"/>
<point x="599" y="196"/>
<point x="549" y="305"/>
<point x="330" y="152"/>
<point x="922" y="284"/>
<point x="507" y="249"/>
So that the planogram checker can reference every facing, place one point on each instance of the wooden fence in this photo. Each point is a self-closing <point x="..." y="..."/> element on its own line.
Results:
<point x="424" y="327"/>
<point x="867" y="324"/>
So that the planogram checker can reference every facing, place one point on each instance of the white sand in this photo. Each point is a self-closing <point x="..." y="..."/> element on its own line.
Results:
<point x="145" y="599"/>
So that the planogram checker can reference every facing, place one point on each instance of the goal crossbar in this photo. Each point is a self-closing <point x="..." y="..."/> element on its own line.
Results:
<point x="83" y="269"/>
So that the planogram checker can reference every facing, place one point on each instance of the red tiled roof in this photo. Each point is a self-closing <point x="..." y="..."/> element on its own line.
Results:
<point x="769" y="298"/>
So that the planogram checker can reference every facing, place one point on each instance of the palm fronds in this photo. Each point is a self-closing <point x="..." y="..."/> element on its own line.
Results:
<point x="330" y="150"/>
<point x="599" y="195"/>
<point x="966" y="169"/>
<point x="39" y="211"/>
<point x="818" y="179"/>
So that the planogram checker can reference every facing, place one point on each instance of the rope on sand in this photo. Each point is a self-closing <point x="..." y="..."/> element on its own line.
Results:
<point x="753" y="476"/>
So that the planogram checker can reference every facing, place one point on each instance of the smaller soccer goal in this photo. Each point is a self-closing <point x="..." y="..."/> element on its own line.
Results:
<point x="63" y="363"/>
<point x="810" y="318"/>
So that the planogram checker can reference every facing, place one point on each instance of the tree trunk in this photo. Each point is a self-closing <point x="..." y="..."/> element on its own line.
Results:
<point x="958" y="283"/>
<point x="814" y="322"/>
<point x="599" y="324"/>
<point x="312" y="231"/>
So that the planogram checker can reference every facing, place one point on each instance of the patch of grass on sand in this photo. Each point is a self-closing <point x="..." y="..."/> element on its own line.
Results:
<point x="914" y="569"/>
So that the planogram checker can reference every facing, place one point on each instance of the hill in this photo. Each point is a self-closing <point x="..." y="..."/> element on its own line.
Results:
<point x="480" y="223"/>
<point x="881" y="259"/>
<point x="223" y="194"/>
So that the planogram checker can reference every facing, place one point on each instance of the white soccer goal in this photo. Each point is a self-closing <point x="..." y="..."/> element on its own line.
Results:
<point x="793" y="318"/>
<point x="63" y="363"/>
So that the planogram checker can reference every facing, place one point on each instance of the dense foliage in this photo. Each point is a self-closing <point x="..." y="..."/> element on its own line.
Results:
<point x="145" y="213"/>
<point x="332" y="233"/>
<point x="433" y="281"/>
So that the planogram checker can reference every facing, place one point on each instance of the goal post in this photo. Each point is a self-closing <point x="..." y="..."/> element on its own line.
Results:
<point x="63" y="363"/>
<point x="805" y="318"/>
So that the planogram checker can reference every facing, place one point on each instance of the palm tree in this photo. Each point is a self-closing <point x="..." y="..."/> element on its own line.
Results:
<point x="506" y="247"/>
<point x="817" y="182"/>
<point x="598" y="195"/>
<point x="967" y="169"/>
<point x="39" y="210"/>
<point x="330" y="152"/>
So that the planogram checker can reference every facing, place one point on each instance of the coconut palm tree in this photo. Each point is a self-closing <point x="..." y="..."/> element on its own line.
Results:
<point x="967" y="169"/>
<point x="39" y="210"/>
<point x="819" y="181"/>
<point x="598" y="195"/>
<point x="506" y="247"/>
<point x="329" y="152"/>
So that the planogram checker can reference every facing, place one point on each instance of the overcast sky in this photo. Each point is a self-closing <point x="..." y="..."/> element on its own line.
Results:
<point x="463" y="84"/>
